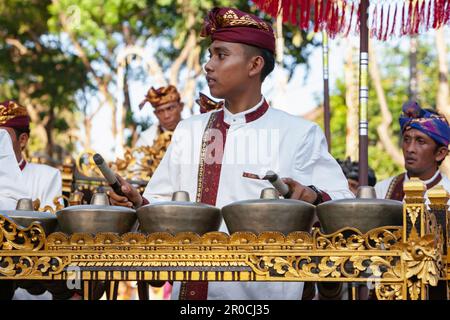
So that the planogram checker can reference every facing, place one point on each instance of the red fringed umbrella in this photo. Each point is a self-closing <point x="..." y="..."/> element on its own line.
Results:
<point x="341" y="17"/>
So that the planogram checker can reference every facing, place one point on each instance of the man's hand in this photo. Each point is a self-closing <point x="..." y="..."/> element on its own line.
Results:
<point x="299" y="191"/>
<point x="132" y="197"/>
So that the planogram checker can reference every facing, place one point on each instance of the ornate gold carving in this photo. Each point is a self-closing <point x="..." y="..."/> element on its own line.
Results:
<point x="299" y="239"/>
<point x="105" y="238"/>
<point x="296" y="240"/>
<point x="145" y="166"/>
<point x="160" y="238"/>
<point x="67" y="172"/>
<point x="271" y="238"/>
<point x="133" y="238"/>
<point x="243" y="238"/>
<point x="273" y="266"/>
<point x="400" y="270"/>
<point x="414" y="188"/>
<point x="216" y="238"/>
<point x="423" y="262"/>
<point x="230" y="18"/>
<point x="353" y="239"/>
<point x="342" y="267"/>
<point x="57" y="239"/>
<point x="76" y="198"/>
<point x="85" y="164"/>
<point x="13" y="237"/>
<point x="57" y="205"/>
<point x="187" y="238"/>
<point x="10" y="110"/>
<point x="20" y="252"/>
<point x="413" y="213"/>
<point x="389" y="291"/>
<point x="138" y="164"/>
<point x="438" y="196"/>
<point x="32" y="266"/>
<point x="36" y="204"/>
<point x="81" y="239"/>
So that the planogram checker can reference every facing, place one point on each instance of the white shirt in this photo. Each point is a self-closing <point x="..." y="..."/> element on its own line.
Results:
<point x="382" y="187"/>
<point x="44" y="183"/>
<point x="291" y="146"/>
<point x="12" y="186"/>
<point x="147" y="137"/>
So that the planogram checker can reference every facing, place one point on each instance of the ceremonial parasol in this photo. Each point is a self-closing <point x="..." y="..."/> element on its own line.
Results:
<point x="380" y="19"/>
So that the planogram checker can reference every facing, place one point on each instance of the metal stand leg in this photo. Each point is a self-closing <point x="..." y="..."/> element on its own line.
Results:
<point x="86" y="290"/>
<point x="112" y="288"/>
<point x="7" y="288"/>
<point x="353" y="294"/>
<point x="143" y="290"/>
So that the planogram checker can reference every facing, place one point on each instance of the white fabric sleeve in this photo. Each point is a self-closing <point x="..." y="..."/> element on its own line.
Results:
<point x="147" y="137"/>
<point x="382" y="187"/>
<point x="315" y="166"/>
<point x="12" y="186"/>
<point x="166" y="178"/>
<point x="53" y="189"/>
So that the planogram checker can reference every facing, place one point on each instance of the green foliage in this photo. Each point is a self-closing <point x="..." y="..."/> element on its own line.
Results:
<point x="338" y="122"/>
<point x="34" y="66"/>
<point x="52" y="71"/>
<point x="395" y="81"/>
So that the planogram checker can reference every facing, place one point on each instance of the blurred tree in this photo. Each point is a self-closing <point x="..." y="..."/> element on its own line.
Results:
<point x="443" y="94"/>
<point x="34" y="69"/>
<point x="351" y="76"/>
<point x="113" y="38"/>
<point x="59" y="57"/>
<point x="389" y="89"/>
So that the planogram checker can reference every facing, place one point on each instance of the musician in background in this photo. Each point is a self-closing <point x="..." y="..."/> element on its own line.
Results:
<point x="351" y="171"/>
<point x="35" y="181"/>
<point x="43" y="182"/>
<point x="425" y="140"/>
<point x="167" y="108"/>
<point x="202" y="157"/>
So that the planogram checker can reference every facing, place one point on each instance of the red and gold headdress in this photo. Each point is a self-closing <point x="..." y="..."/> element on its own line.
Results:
<point x="163" y="95"/>
<point x="13" y="115"/>
<point x="232" y="25"/>
<point x="207" y="104"/>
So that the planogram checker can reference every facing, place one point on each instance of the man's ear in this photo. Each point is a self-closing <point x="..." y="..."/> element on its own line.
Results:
<point x="23" y="140"/>
<point x="256" y="64"/>
<point x="441" y="153"/>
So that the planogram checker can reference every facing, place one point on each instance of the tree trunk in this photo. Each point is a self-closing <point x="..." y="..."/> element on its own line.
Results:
<point x="383" y="129"/>
<point x="127" y="107"/>
<point x="39" y="130"/>
<point x="351" y="100"/>
<point x="87" y="129"/>
<point x="413" y="83"/>
<point x="442" y="102"/>
<point x="194" y="69"/>
<point x="49" y="127"/>
<point x="280" y="77"/>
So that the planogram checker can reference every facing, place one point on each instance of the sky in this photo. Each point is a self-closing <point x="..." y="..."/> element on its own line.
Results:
<point x="301" y="95"/>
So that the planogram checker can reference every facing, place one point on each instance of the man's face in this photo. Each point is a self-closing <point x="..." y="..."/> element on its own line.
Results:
<point x="169" y="114"/>
<point x="19" y="143"/>
<point x="227" y="69"/>
<point x="421" y="154"/>
<point x="353" y="185"/>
